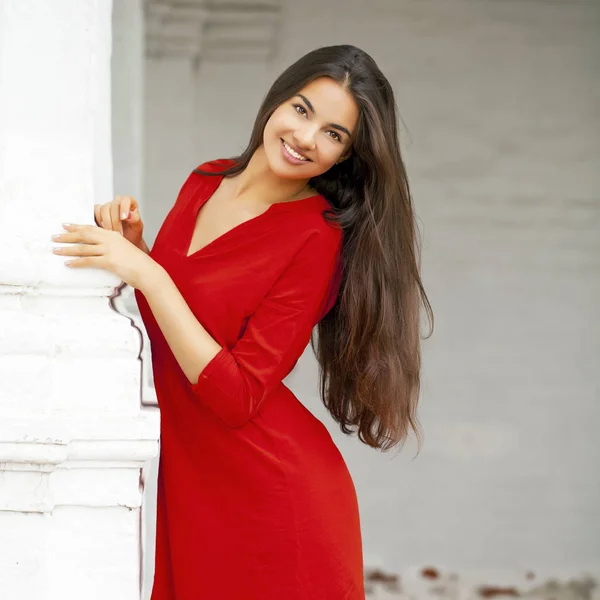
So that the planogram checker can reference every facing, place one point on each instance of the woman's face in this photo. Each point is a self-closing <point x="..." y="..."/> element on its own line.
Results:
<point x="309" y="133"/>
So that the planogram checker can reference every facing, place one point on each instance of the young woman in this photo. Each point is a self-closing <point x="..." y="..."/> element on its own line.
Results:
<point x="312" y="225"/>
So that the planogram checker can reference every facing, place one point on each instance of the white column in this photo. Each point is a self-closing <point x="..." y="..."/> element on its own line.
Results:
<point x="73" y="437"/>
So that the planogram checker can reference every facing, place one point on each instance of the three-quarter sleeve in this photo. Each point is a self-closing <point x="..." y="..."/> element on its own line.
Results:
<point x="234" y="383"/>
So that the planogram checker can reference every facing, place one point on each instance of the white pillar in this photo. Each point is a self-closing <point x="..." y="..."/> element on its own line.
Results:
<point x="73" y="437"/>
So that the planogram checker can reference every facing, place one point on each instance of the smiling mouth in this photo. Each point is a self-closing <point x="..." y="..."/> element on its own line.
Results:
<point x="297" y="155"/>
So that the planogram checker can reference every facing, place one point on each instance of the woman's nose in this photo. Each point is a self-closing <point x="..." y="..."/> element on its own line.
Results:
<point x="305" y="138"/>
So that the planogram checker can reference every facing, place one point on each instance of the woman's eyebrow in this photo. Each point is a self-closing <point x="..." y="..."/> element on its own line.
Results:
<point x="312" y="110"/>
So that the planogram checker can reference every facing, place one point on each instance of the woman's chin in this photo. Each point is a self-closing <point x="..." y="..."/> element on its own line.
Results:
<point x="282" y="169"/>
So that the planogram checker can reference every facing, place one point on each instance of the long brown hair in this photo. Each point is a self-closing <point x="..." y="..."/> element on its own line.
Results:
<point x="368" y="345"/>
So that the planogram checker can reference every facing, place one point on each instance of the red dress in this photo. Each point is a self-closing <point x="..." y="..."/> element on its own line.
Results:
<point x="255" y="501"/>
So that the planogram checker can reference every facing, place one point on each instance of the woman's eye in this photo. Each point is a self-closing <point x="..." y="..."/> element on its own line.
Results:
<point x="301" y="111"/>
<point x="337" y="135"/>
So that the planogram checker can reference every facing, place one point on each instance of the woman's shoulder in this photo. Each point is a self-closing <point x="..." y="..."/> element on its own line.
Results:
<point x="309" y="227"/>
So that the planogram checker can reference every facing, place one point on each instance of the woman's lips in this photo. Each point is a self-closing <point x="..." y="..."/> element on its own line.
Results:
<point x="290" y="157"/>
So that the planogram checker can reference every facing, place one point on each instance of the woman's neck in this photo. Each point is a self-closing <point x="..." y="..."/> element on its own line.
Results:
<point x="257" y="180"/>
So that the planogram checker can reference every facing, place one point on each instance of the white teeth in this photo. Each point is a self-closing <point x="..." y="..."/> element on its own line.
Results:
<point x="293" y="153"/>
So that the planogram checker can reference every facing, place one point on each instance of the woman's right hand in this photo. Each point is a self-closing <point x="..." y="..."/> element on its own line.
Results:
<point x="122" y="215"/>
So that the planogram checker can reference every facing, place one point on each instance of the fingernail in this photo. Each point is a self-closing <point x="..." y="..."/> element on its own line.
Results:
<point x="124" y="215"/>
<point x="56" y="236"/>
<point x="66" y="224"/>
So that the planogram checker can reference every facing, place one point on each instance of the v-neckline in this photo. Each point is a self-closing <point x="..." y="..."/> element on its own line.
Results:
<point x="203" y="197"/>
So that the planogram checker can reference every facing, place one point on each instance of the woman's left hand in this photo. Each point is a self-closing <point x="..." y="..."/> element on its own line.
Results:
<point x="105" y="249"/>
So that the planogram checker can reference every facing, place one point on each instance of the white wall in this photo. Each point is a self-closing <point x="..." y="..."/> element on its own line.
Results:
<point x="501" y="101"/>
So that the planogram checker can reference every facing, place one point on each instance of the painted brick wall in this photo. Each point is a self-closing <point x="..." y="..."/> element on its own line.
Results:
<point x="500" y="103"/>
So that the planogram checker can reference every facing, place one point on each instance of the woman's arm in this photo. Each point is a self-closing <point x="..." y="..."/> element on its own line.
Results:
<point x="233" y="382"/>
<point x="143" y="246"/>
<point x="191" y="344"/>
